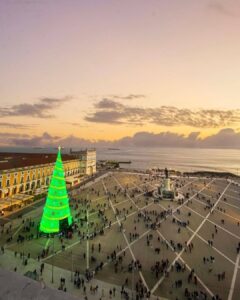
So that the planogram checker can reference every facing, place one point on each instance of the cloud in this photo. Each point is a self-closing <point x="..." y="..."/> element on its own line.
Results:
<point x="9" y="135"/>
<point x="106" y="103"/>
<point x="8" y="138"/>
<point x="129" y="97"/>
<point x="47" y="140"/>
<point x="17" y="125"/>
<point x="219" y="8"/>
<point x="225" y="138"/>
<point x="32" y="141"/>
<point x="77" y="124"/>
<point x="110" y="117"/>
<point x="40" y="109"/>
<point x="113" y="112"/>
<point x="164" y="139"/>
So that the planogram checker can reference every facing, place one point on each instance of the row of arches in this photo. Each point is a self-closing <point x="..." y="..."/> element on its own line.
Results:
<point x="24" y="187"/>
<point x="72" y="172"/>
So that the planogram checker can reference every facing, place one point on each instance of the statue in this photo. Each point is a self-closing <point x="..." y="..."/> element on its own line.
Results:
<point x="166" y="172"/>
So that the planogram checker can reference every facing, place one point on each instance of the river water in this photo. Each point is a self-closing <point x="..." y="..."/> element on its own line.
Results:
<point x="182" y="159"/>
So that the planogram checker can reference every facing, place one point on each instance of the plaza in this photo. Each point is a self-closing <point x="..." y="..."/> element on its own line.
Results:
<point x="125" y="240"/>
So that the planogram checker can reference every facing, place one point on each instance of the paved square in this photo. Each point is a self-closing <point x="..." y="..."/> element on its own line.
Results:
<point x="123" y="237"/>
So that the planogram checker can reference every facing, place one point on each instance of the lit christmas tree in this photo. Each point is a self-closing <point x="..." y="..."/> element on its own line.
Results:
<point x="56" y="213"/>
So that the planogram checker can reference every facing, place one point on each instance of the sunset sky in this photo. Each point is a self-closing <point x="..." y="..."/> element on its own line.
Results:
<point x="104" y="70"/>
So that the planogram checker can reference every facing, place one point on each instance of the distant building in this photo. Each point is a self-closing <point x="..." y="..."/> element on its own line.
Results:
<point x="30" y="172"/>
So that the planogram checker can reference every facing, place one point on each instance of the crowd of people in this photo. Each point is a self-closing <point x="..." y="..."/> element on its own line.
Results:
<point x="86" y="228"/>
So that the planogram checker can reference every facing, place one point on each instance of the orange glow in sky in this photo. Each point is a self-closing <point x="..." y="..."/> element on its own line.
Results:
<point x="141" y="55"/>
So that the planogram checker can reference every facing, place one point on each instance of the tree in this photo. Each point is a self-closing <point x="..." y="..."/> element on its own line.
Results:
<point x="56" y="212"/>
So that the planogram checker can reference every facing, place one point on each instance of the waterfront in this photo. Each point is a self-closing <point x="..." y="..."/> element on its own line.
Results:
<point x="182" y="159"/>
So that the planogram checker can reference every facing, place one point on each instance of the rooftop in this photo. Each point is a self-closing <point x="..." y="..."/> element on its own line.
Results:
<point x="21" y="160"/>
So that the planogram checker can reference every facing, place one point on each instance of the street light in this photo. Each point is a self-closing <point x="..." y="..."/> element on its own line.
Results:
<point x="87" y="244"/>
<point x="87" y="254"/>
<point x="53" y="258"/>
<point x="72" y="267"/>
<point x="11" y="203"/>
<point x="133" y="269"/>
<point x="23" y="252"/>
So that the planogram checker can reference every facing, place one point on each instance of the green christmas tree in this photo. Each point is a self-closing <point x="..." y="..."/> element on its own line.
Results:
<point x="56" y="209"/>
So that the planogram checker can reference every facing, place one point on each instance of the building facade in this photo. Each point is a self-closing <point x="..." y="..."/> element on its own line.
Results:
<point x="26" y="173"/>
<point x="88" y="160"/>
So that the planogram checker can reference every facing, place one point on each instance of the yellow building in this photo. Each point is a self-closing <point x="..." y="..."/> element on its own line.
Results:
<point x="30" y="172"/>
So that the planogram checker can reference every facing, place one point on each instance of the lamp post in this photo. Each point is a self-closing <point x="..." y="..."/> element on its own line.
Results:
<point x="11" y="203"/>
<point x="72" y="266"/>
<point x="87" y="254"/>
<point x="52" y="258"/>
<point x="133" y="269"/>
<point x="23" y="252"/>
